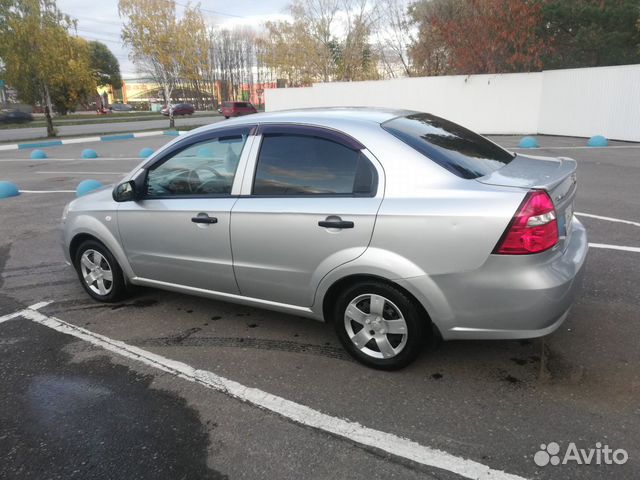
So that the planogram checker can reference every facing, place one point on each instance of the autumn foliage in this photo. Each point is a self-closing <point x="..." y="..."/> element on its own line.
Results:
<point x="494" y="36"/>
<point x="490" y="36"/>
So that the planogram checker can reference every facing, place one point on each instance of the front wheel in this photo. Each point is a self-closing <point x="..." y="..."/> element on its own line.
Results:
<point x="99" y="272"/>
<point x="379" y="325"/>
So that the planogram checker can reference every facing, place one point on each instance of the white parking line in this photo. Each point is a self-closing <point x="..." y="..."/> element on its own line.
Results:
<point x="573" y="148"/>
<point x="608" y="219"/>
<point x="13" y="315"/>
<point x="615" y="247"/>
<point x="301" y="414"/>
<point x="91" y="160"/>
<point x="47" y="191"/>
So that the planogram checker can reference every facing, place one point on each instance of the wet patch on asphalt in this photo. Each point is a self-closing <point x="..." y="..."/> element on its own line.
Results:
<point x="42" y="269"/>
<point x="52" y="283"/>
<point x="558" y="369"/>
<point x="139" y="303"/>
<point x="243" y="342"/>
<point x="87" y="304"/>
<point x="181" y="337"/>
<point x="90" y="419"/>
<point x="7" y="303"/>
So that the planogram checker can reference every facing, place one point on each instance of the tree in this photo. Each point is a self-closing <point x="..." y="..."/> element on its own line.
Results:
<point x="357" y="59"/>
<point x="591" y="33"/>
<point x="104" y="65"/>
<point x="76" y="83"/>
<point x="153" y="32"/>
<point x="325" y="40"/>
<point x="304" y="49"/>
<point x="195" y="65"/>
<point x="485" y="36"/>
<point x="290" y="52"/>
<point x="234" y="59"/>
<point x="42" y="61"/>
<point x="394" y="38"/>
<point x="428" y="50"/>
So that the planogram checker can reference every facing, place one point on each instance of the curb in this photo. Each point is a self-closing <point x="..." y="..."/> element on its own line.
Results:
<point x="102" y="138"/>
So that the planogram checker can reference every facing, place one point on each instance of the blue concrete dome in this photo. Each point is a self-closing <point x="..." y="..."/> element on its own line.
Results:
<point x="87" y="186"/>
<point x="89" y="153"/>
<point x="598" y="141"/>
<point x="528" y="142"/>
<point x="8" y="189"/>
<point x="145" y="152"/>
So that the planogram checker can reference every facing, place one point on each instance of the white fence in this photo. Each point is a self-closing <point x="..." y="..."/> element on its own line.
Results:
<point x="579" y="102"/>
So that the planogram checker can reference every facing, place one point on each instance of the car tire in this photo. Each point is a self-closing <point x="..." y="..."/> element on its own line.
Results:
<point x="226" y="118"/>
<point x="369" y="339"/>
<point x="99" y="272"/>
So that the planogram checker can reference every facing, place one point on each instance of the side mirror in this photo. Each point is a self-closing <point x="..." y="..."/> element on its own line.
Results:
<point x="125" y="192"/>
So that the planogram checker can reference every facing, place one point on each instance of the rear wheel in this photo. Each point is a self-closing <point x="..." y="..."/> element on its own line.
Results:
<point x="379" y="325"/>
<point x="99" y="273"/>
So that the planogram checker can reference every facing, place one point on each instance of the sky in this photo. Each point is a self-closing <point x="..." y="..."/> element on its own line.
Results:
<point x="100" y="21"/>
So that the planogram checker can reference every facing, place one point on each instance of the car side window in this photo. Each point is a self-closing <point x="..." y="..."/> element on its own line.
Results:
<point x="205" y="168"/>
<point x="295" y="164"/>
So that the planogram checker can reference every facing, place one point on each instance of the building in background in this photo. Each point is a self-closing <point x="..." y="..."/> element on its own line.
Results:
<point x="146" y="94"/>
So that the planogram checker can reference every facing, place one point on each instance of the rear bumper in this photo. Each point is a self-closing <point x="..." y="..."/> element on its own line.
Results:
<point x="509" y="297"/>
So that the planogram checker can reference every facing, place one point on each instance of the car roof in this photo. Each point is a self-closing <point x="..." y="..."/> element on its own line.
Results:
<point x="318" y="116"/>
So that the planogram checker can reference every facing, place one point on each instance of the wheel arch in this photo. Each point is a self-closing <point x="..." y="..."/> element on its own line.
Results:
<point x="85" y="227"/>
<point x="78" y="240"/>
<point x="82" y="237"/>
<point x="332" y="293"/>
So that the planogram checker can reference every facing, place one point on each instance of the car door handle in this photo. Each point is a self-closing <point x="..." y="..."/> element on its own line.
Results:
<point x="204" y="219"/>
<point x="335" y="224"/>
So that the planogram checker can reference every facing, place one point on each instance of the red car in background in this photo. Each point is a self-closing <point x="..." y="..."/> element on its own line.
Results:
<point x="179" y="109"/>
<point x="236" y="109"/>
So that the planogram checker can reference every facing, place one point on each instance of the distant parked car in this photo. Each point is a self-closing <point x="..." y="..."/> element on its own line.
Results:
<point x="15" y="116"/>
<point x="236" y="109"/>
<point x="121" y="107"/>
<point x="179" y="109"/>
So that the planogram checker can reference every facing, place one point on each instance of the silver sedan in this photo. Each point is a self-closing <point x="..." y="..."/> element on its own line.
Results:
<point x="392" y="225"/>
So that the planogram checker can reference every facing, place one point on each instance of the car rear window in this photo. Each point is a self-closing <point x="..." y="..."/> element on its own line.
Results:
<point x="459" y="150"/>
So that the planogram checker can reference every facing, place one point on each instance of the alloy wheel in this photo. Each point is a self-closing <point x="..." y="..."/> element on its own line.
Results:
<point x="375" y="326"/>
<point x="96" y="272"/>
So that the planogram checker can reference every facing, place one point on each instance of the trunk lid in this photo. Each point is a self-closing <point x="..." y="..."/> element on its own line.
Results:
<point x="555" y="175"/>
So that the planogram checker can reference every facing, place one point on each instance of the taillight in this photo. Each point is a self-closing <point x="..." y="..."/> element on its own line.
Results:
<point x="533" y="229"/>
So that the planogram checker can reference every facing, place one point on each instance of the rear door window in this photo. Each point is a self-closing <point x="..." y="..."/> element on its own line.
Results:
<point x="459" y="150"/>
<point x="294" y="164"/>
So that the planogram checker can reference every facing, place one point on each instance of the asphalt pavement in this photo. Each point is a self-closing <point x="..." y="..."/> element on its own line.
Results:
<point x="70" y="408"/>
